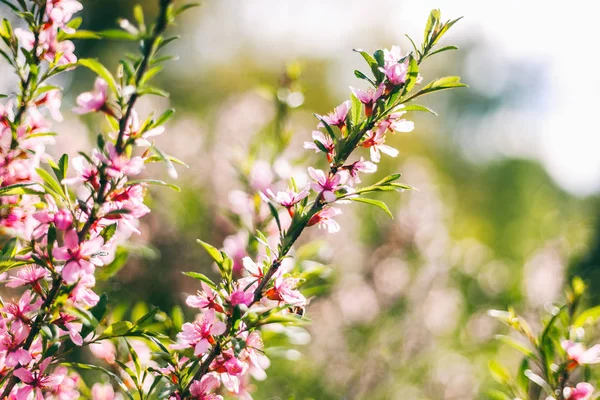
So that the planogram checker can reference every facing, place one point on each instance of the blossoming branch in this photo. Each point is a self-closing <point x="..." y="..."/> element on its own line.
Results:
<point x="222" y="349"/>
<point x="65" y="224"/>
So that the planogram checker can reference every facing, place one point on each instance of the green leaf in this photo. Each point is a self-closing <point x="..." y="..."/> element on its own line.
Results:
<point x="202" y="278"/>
<point x="446" y="48"/>
<point x="356" y="110"/>
<point x="360" y="75"/>
<point x="168" y="160"/>
<point x="494" y="394"/>
<point x="138" y="16"/>
<point x="186" y="7"/>
<point x="373" y="202"/>
<point x="275" y="215"/>
<point x="75" y="23"/>
<point x="287" y="319"/>
<point x="434" y="17"/>
<point x="101" y="71"/>
<point x="166" y="116"/>
<point x="80" y="34"/>
<point x="589" y="316"/>
<point x="117" y="34"/>
<point x="515" y="344"/>
<point x="104" y="370"/>
<point x="110" y="270"/>
<point x="51" y="182"/>
<point x="417" y="107"/>
<point x="448" y="82"/>
<point x="10" y="249"/>
<point x="154" y="182"/>
<point x="117" y="329"/>
<point x="151" y="73"/>
<point x="108" y="232"/>
<point x="328" y="129"/>
<point x="372" y="63"/>
<point x="153" y="91"/>
<point x="19" y="189"/>
<point x="522" y="380"/>
<point x="63" y="166"/>
<point x="212" y="251"/>
<point x="147" y="318"/>
<point x="499" y="372"/>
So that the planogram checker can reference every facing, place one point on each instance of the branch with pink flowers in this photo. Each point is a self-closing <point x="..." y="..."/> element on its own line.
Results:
<point x="223" y="349"/>
<point x="63" y="226"/>
<point x="556" y="362"/>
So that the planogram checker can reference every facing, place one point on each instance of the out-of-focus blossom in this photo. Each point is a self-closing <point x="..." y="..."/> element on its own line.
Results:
<point x="579" y="354"/>
<point x="93" y="101"/>
<point x="583" y="391"/>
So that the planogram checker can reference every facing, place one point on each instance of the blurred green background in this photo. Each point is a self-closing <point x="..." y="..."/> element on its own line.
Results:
<point x="488" y="227"/>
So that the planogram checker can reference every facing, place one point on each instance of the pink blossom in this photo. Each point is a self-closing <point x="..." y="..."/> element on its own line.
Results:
<point x="289" y="198"/>
<point x="80" y="257"/>
<point x="201" y="390"/>
<point x="324" y="219"/>
<point x="120" y="164"/>
<point x="397" y="124"/>
<point x="284" y="290"/>
<point x="82" y="294"/>
<point x="20" y="311"/>
<point x="133" y="130"/>
<point x="62" y="218"/>
<point x="375" y="140"/>
<point x="73" y="329"/>
<point x="235" y="247"/>
<point x="206" y="298"/>
<point x="392" y="56"/>
<point x="53" y="50"/>
<point x="52" y="100"/>
<point x="61" y="11"/>
<point x="11" y="342"/>
<point x="368" y="97"/>
<point x="583" y="391"/>
<point x="361" y="165"/>
<point x="254" y="356"/>
<point x="338" y="116"/>
<point x="93" y="101"/>
<point x="255" y="270"/>
<point x="103" y="391"/>
<point x="86" y="173"/>
<point x="28" y="275"/>
<point x="67" y="389"/>
<point x="230" y="369"/>
<point x="261" y="175"/>
<point x="395" y="73"/>
<point x="104" y="350"/>
<point x="579" y="354"/>
<point x="200" y="333"/>
<point x="37" y="382"/>
<point x="130" y="200"/>
<point x="325" y="140"/>
<point x="26" y="38"/>
<point x="240" y="296"/>
<point x="325" y="184"/>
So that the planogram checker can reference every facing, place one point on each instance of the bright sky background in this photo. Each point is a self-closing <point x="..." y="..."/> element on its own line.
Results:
<point x="558" y="127"/>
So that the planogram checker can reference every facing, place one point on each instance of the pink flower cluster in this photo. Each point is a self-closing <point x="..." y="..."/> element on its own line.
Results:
<point x="64" y="238"/>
